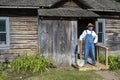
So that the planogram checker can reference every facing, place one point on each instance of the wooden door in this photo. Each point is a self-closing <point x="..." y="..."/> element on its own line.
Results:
<point x="57" y="40"/>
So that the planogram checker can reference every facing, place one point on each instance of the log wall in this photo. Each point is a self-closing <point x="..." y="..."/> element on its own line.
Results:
<point x="113" y="34"/>
<point x="23" y="35"/>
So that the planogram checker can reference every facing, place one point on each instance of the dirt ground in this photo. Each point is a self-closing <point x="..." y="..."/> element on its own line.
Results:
<point x="107" y="75"/>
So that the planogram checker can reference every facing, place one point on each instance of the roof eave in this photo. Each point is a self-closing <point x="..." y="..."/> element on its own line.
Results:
<point x="103" y="10"/>
<point x="67" y="12"/>
<point x="21" y="7"/>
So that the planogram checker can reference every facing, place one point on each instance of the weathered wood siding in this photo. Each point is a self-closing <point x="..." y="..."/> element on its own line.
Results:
<point x="58" y="39"/>
<point x="113" y="34"/>
<point x="23" y="35"/>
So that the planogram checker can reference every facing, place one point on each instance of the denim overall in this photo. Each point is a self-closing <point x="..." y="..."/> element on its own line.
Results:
<point x="89" y="48"/>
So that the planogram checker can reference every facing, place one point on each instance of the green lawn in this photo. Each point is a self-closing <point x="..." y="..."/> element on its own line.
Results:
<point x="58" y="74"/>
<point x="66" y="75"/>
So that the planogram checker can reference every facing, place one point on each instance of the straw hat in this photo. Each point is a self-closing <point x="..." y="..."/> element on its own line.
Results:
<point x="90" y="25"/>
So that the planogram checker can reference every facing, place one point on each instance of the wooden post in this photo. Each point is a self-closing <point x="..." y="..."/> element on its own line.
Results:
<point x="97" y="53"/>
<point x="106" y="53"/>
<point x="81" y="48"/>
<point x="106" y="56"/>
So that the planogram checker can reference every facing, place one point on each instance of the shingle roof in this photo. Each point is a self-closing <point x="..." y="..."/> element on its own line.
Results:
<point x="94" y="4"/>
<point x="102" y="4"/>
<point x="31" y="3"/>
<point x="67" y="12"/>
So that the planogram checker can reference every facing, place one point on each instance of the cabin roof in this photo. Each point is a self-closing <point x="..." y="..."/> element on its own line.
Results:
<point x="45" y="7"/>
<point x="28" y="3"/>
<point x="94" y="4"/>
<point x="67" y="12"/>
<point x="102" y="5"/>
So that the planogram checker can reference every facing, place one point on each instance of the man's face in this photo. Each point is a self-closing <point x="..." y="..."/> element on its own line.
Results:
<point x="90" y="28"/>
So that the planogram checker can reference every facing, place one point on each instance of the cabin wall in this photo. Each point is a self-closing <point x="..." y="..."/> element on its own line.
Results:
<point x="58" y="40"/>
<point x="113" y="34"/>
<point x="23" y="35"/>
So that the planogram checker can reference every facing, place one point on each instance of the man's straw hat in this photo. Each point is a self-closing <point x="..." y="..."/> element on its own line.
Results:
<point x="90" y="25"/>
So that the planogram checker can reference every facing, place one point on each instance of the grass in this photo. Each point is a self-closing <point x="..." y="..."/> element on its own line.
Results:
<point x="58" y="74"/>
<point x="66" y="75"/>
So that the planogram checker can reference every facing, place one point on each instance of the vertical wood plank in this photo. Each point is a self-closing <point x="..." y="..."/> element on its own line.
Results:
<point x="74" y="41"/>
<point x="58" y="38"/>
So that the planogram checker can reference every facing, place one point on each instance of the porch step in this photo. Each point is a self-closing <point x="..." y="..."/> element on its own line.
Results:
<point x="98" y="66"/>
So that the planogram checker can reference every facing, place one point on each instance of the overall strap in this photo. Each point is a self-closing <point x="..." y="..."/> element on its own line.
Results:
<point x="86" y="32"/>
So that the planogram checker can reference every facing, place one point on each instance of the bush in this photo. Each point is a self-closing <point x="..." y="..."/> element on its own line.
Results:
<point x="112" y="61"/>
<point x="2" y="75"/>
<point x="102" y="58"/>
<point x="30" y="63"/>
<point x="117" y="0"/>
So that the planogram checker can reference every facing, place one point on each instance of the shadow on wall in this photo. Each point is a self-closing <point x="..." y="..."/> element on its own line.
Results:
<point x="77" y="54"/>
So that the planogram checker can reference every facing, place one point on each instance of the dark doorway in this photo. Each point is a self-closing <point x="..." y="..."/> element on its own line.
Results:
<point x="82" y="25"/>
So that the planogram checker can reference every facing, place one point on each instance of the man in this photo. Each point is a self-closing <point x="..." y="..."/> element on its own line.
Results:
<point x="89" y="37"/>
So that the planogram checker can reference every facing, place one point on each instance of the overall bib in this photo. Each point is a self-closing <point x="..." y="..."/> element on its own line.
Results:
<point x="89" y="48"/>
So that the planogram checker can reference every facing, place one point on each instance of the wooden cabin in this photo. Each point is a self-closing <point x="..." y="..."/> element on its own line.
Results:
<point x="54" y="26"/>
